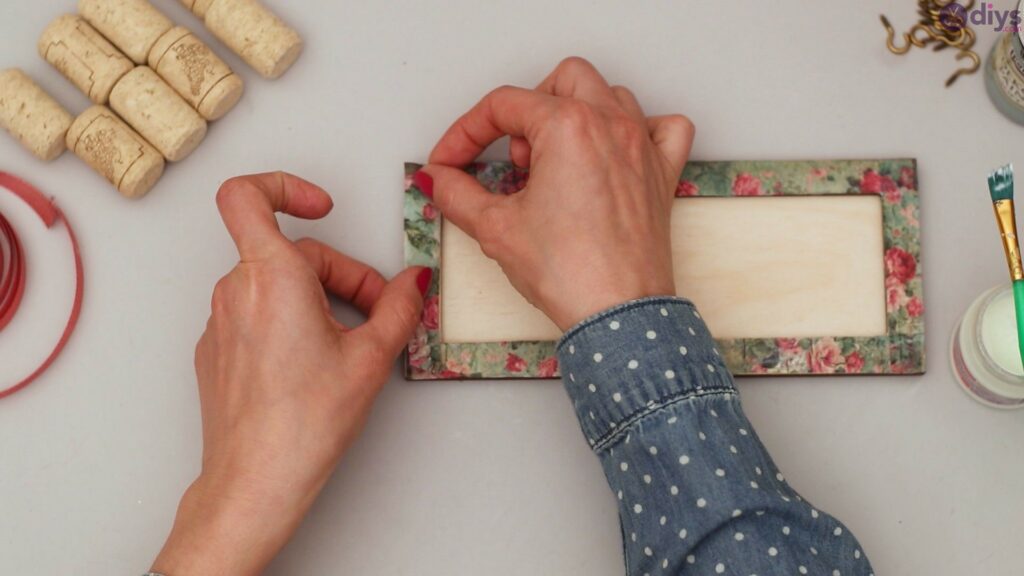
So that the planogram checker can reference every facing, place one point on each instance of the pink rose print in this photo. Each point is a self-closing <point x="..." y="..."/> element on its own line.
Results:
<point x="454" y="368"/>
<point x="915" y="307"/>
<point x="854" y="363"/>
<point x="788" y="345"/>
<point x="895" y="294"/>
<point x="907" y="178"/>
<point x="429" y="212"/>
<point x="900" y="368"/>
<point x="513" y="182"/>
<point x="790" y="352"/>
<point x="430" y="313"/>
<point x="514" y="363"/>
<point x="815" y="175"/>
<point x="418" y="353"/>
<point x="910" y="214"/>
<point x="547" y="368"/>
<point x="900" y="264"/>
<point x="871" y="183"/>
<point x="874" y="183"/>
<point x="686" y="188"/>
<point x="825" y="356"/>
<point x="747" y="185"/>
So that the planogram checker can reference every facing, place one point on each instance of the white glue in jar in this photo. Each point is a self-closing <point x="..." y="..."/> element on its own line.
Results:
<point x="984" y="353"/>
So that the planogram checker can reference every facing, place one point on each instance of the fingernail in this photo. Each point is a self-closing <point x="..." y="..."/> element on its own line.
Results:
<point x="424" y="182"/>
<point x="423" y="280"/>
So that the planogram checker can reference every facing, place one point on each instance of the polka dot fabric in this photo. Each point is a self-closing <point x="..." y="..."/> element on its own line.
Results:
<point x="697" y="491"/>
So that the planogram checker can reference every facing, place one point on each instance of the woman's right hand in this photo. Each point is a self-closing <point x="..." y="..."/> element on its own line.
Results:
<point x="591" y="228"/>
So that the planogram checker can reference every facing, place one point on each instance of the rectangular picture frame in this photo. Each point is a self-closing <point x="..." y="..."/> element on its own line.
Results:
<point x="900" y="351"/>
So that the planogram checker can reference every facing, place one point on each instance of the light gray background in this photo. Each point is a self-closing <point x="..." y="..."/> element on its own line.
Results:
<point x="494" y="477"/>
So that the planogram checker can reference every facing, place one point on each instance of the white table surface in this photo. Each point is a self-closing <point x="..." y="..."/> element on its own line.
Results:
<point x="494" y="477"/>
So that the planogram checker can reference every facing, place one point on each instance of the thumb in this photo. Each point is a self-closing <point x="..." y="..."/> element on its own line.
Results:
<point x="459" y="197"/>
<point x="396" y="314"/>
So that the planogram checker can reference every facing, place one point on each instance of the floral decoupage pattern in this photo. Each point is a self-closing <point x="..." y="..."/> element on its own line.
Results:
<point x="900" y="351"/>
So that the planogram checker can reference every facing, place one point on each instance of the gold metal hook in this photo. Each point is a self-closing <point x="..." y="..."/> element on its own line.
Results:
<point x="974" y="67"/>
<point x="913" y="35"/>
<point x="964" y="40"/>
<point x="935" y="29"/>
<point x="890" y="41"/>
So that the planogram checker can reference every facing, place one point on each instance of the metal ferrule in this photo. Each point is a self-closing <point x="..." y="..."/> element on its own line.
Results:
<point x="1008" y="229"/>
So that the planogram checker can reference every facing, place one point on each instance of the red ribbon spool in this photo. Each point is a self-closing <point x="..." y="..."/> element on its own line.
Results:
<point x="12" y="268"/>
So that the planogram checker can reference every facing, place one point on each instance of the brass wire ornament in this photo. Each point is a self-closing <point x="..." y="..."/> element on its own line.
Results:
<point x="943" y="24"/>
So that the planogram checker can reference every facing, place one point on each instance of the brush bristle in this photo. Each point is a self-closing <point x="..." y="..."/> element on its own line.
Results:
<point x="1000" y="183"/>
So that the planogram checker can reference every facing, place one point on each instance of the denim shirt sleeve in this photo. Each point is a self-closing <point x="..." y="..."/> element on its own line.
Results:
<point x="698" y="492"/>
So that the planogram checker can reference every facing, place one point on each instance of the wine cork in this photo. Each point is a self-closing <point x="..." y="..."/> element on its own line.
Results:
<point x="83" y="56"/>
<point x="198" y="7"/>
<point x="157" y="112"/>
<point x="31" y="115"/>
<point x="116" y="151"/>
<point x="131" y="25"/>
<point x="252" y="31"/>
<point x="196" y="73"/>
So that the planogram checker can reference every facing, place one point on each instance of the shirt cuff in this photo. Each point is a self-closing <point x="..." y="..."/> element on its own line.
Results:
<point x="630" y="360"/>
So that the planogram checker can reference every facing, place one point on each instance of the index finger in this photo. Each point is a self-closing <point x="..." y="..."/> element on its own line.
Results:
<point x="505" y="111"/>
<point x="247" y="205"/>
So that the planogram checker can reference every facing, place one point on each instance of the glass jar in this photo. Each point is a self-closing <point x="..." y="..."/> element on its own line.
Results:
<point x="1004" y="72"/>
<point x="984" y="353"/>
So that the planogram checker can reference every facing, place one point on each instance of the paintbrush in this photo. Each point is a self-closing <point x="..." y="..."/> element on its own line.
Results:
<point x="1000" y="185"/>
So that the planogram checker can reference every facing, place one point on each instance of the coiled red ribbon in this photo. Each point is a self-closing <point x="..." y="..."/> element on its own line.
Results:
<point x="12" y="268"/>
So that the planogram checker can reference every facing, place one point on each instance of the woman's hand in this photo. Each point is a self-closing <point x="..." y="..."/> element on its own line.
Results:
<point x="284" y="388"/>
<point x="591" y="228"/>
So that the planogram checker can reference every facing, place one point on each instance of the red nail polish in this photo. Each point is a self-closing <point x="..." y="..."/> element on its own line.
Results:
<point x="424" y="182"/>
<point x="423" y="280"/>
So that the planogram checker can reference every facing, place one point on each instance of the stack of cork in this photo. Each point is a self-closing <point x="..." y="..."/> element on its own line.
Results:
<point x="162" y="83"/>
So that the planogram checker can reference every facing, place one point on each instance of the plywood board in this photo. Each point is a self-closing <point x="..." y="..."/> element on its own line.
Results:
<point x="793" y="266"/>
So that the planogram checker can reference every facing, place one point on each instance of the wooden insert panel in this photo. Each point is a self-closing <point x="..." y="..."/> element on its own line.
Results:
<point x="791" y="266"/>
